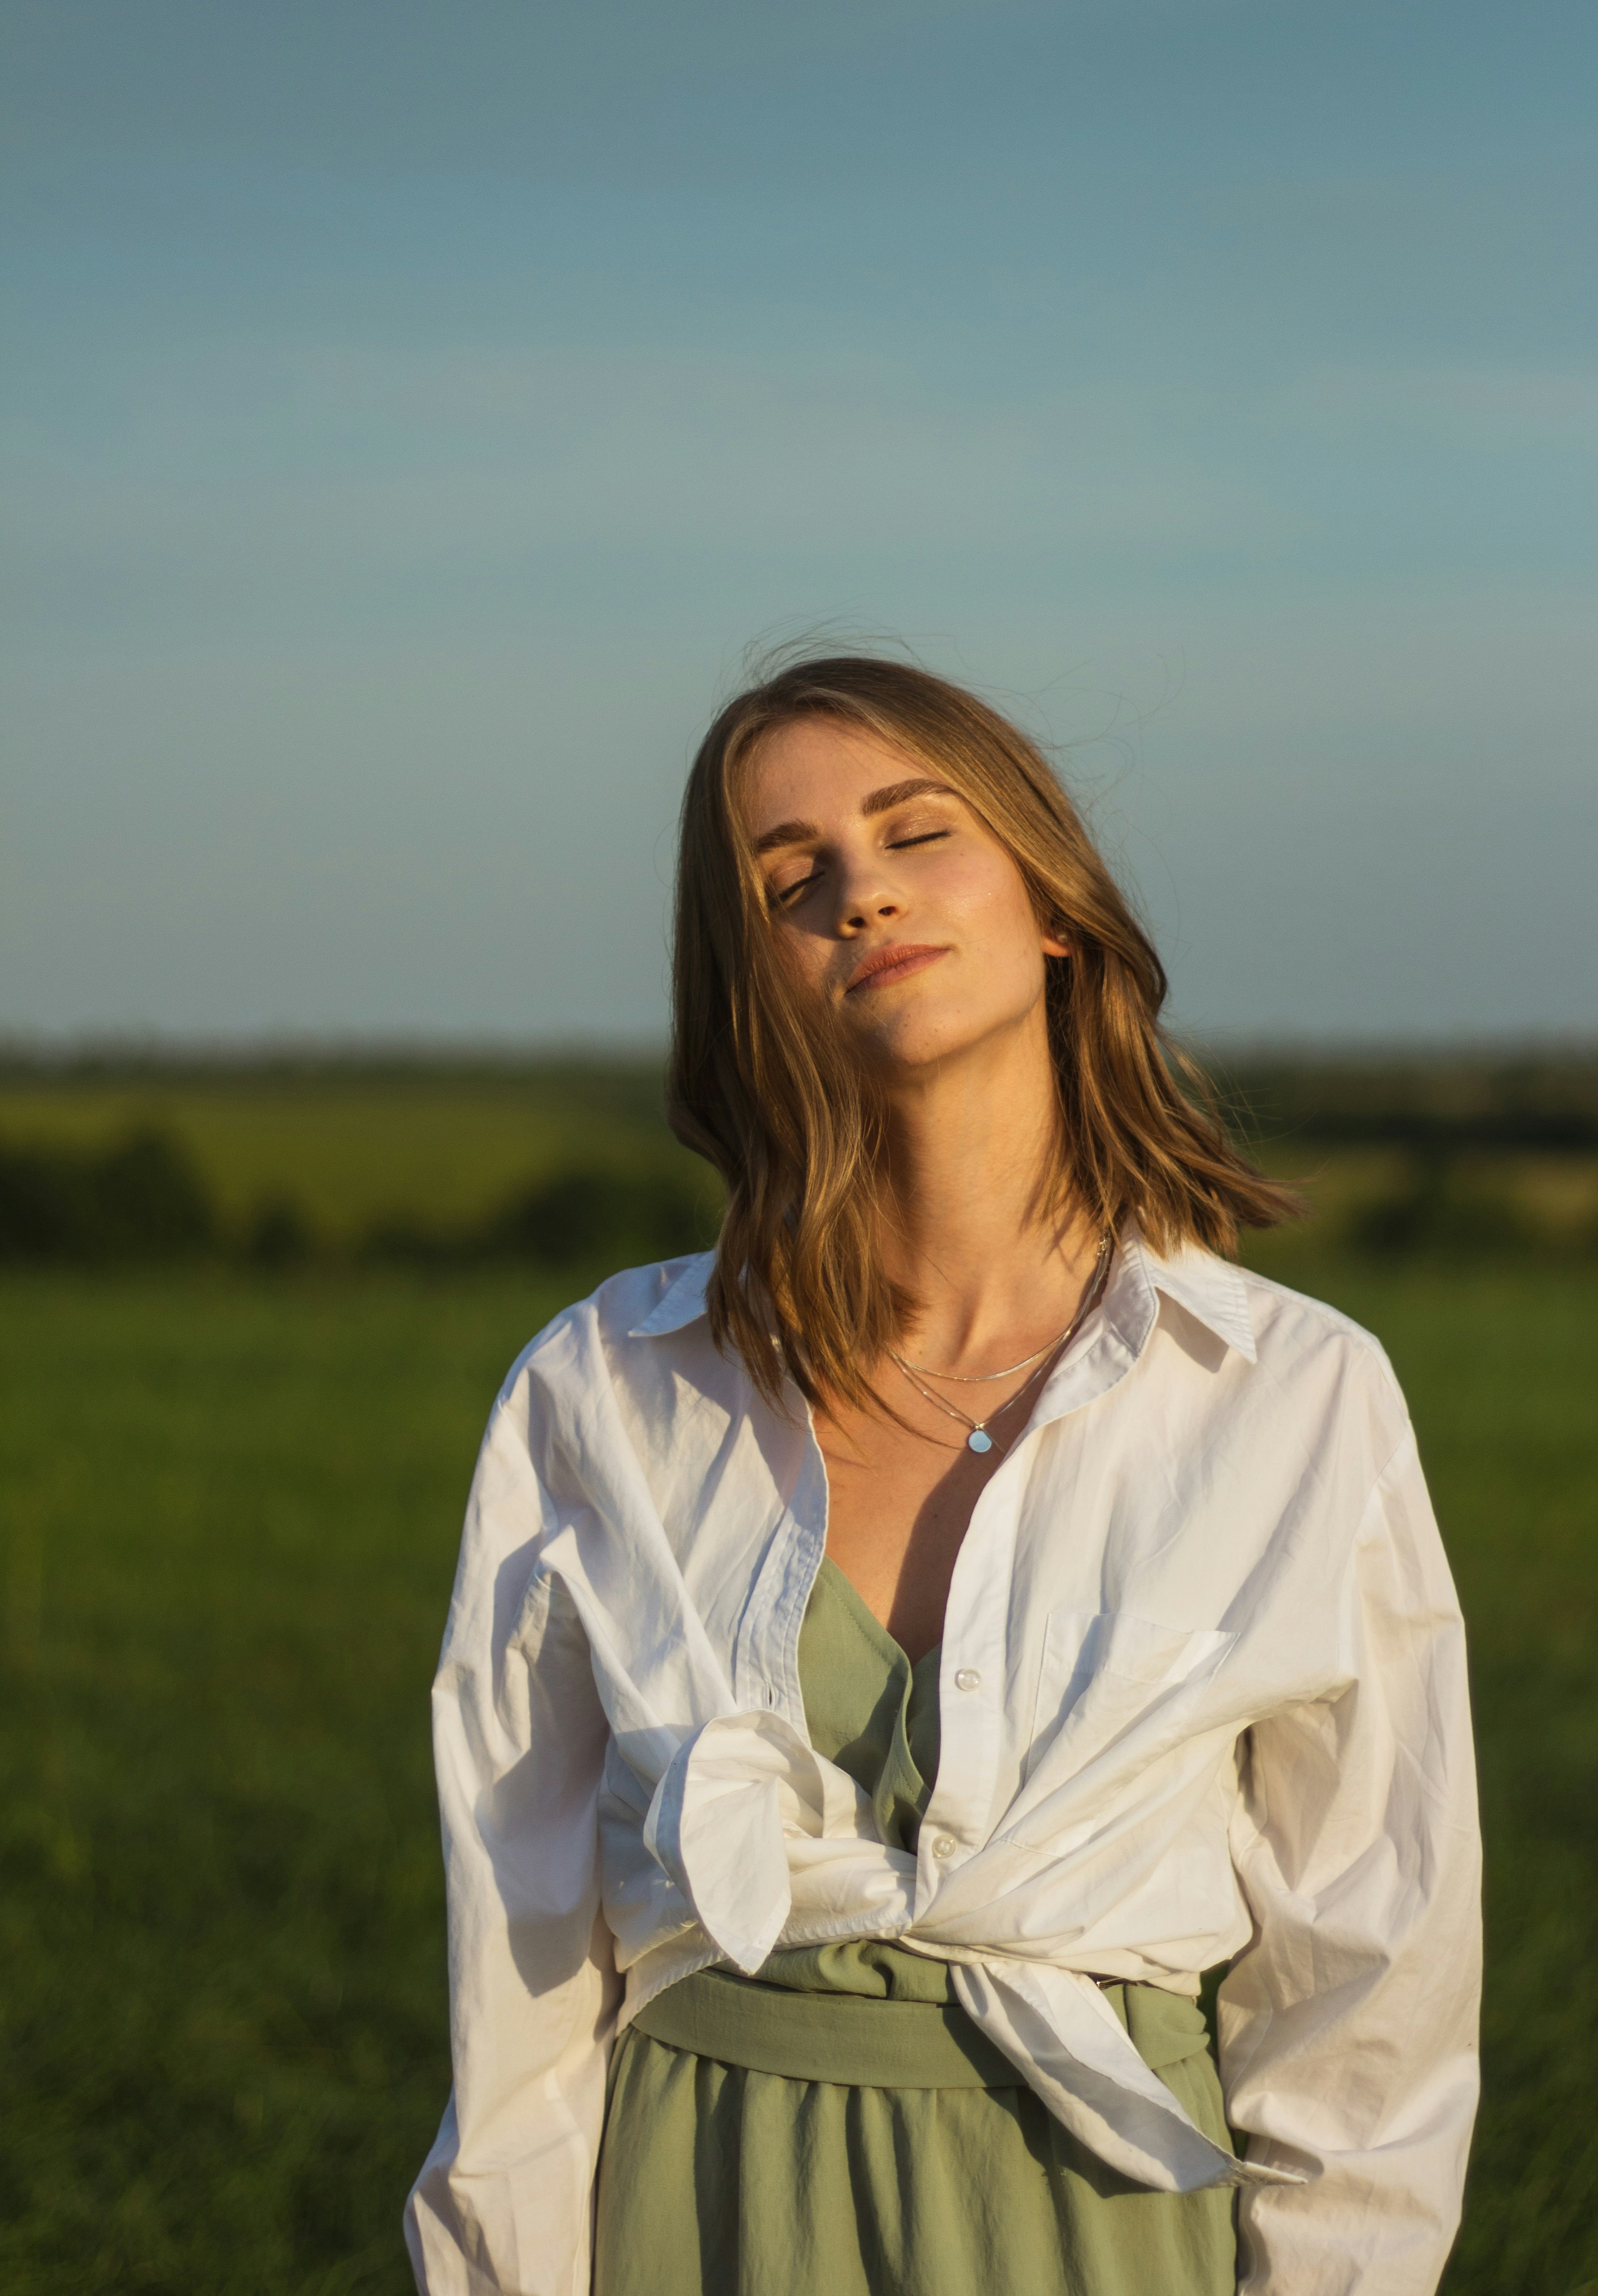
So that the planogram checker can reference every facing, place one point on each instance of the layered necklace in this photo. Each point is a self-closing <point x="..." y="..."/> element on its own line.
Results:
<point x="978" y="1438"/>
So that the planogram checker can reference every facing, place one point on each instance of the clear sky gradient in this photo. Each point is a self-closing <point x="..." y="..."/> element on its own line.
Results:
<point x="411" y="413"/>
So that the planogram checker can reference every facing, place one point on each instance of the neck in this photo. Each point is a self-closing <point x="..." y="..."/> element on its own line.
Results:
<point x="975" y="1238"/>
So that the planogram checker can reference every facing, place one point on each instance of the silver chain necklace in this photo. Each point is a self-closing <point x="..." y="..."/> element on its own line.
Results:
<point x="978" y="1378"/>
<point x="979" y="1439"/>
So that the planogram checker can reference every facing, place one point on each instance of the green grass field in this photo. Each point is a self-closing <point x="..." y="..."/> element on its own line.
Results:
<point x="230" y="1513"/>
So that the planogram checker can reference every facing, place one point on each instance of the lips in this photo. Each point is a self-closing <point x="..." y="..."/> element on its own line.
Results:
<point x="884" y="966"/>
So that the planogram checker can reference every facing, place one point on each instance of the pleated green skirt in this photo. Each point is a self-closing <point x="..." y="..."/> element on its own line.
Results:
<point x="841" y="2128"/>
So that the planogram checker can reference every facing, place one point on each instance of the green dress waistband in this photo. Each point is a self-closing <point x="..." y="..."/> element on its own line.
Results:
<point x="857" y="2041"/>
<point x="852" y="2039"/>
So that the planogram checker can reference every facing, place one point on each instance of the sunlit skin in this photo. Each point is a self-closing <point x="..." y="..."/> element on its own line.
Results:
<point x="891" y="901"/>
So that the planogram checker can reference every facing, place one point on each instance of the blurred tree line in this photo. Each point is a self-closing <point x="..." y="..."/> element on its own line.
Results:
<point x="1448" y="1144"/>
<point x="144" y="1200"/>
<point x="1432" y="1154"/>
<point x="1434" y="1104"/>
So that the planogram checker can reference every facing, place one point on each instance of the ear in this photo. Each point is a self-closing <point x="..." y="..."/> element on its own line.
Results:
<point x="1052" y="946"/>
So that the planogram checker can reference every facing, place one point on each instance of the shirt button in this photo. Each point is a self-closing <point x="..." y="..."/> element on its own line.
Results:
<point x="945" y="1846"/>
<point x="967" y="1678"/>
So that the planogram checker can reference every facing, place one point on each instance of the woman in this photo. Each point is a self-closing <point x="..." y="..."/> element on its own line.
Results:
<point x="895" y="1657"/>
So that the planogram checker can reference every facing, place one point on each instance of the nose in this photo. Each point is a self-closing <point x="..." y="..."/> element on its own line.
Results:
<point x="864" y="896"/>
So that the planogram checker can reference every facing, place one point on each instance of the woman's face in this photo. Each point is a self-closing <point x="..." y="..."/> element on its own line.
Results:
<point x="890" y="899"/>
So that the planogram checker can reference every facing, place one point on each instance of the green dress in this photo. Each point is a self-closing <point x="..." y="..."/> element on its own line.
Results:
<point x="839" y="2126"/>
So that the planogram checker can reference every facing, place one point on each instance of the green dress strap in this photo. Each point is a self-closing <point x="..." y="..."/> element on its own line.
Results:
<point x="875" y="1715"/>
<point x="886" y="1738"/>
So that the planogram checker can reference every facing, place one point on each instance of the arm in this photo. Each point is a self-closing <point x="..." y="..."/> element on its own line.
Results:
<point x="503" y="2201"/>
<point x="1349" y="2026"/>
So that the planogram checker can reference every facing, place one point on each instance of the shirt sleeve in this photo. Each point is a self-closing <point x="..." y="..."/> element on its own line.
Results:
<point x="1347" y="2027"/>
<point x="504" y="2202"/>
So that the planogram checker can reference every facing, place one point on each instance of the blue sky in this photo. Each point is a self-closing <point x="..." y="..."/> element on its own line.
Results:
<point x="413" y="414"/>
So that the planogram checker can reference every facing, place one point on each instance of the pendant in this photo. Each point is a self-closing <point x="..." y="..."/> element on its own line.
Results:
<point x="976" y="1441"/>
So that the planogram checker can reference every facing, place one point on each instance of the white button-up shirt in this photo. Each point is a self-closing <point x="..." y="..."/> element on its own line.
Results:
<point x="1203" y="1700"/>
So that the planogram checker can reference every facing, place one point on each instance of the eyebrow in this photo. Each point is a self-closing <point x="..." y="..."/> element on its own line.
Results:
<point x="882" y="800"/>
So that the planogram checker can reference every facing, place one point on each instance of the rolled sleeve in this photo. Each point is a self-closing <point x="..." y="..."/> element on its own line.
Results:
<point x="1347" y="2027"/>
<point x="503" y="2201"/>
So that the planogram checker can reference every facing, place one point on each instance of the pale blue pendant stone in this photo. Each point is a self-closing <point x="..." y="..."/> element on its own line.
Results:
<point x="976" y="1441"/>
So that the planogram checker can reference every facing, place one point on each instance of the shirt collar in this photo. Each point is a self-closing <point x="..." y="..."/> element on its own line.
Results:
<point x="682" y="1302"/>
<point x="1212" y="1290"/>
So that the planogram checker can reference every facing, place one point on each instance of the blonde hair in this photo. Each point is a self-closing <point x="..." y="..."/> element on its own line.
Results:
<point x="764" y="1084"/>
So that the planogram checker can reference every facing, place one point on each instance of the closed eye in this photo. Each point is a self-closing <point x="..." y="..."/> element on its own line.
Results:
<point x="784" y="897"/>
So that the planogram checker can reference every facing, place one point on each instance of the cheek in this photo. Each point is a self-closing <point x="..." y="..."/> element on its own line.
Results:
<point x="803" y="956"/>
<point x="989" y="898"/>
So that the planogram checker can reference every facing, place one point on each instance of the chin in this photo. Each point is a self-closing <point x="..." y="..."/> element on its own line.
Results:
<point x="914" y="1048"/>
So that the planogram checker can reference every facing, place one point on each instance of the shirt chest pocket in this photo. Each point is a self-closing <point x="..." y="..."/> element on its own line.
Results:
<point x="1109" y="1675"/>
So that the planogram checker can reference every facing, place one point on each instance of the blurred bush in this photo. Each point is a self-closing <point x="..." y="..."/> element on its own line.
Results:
<point x="1436" y="1211"/>
<point x="279" y="1235"/>
<point x="142" y="1199"/>
<point x="586" y="1216"/>
<point x="581" y="1215"/>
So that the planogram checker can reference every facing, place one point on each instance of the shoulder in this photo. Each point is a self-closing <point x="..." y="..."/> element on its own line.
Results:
<point x="1287" y="1324"/>
<point x="566" y="1419"/>
<point x="1311" y="1349"/>
<point x="617" y="1318"/>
